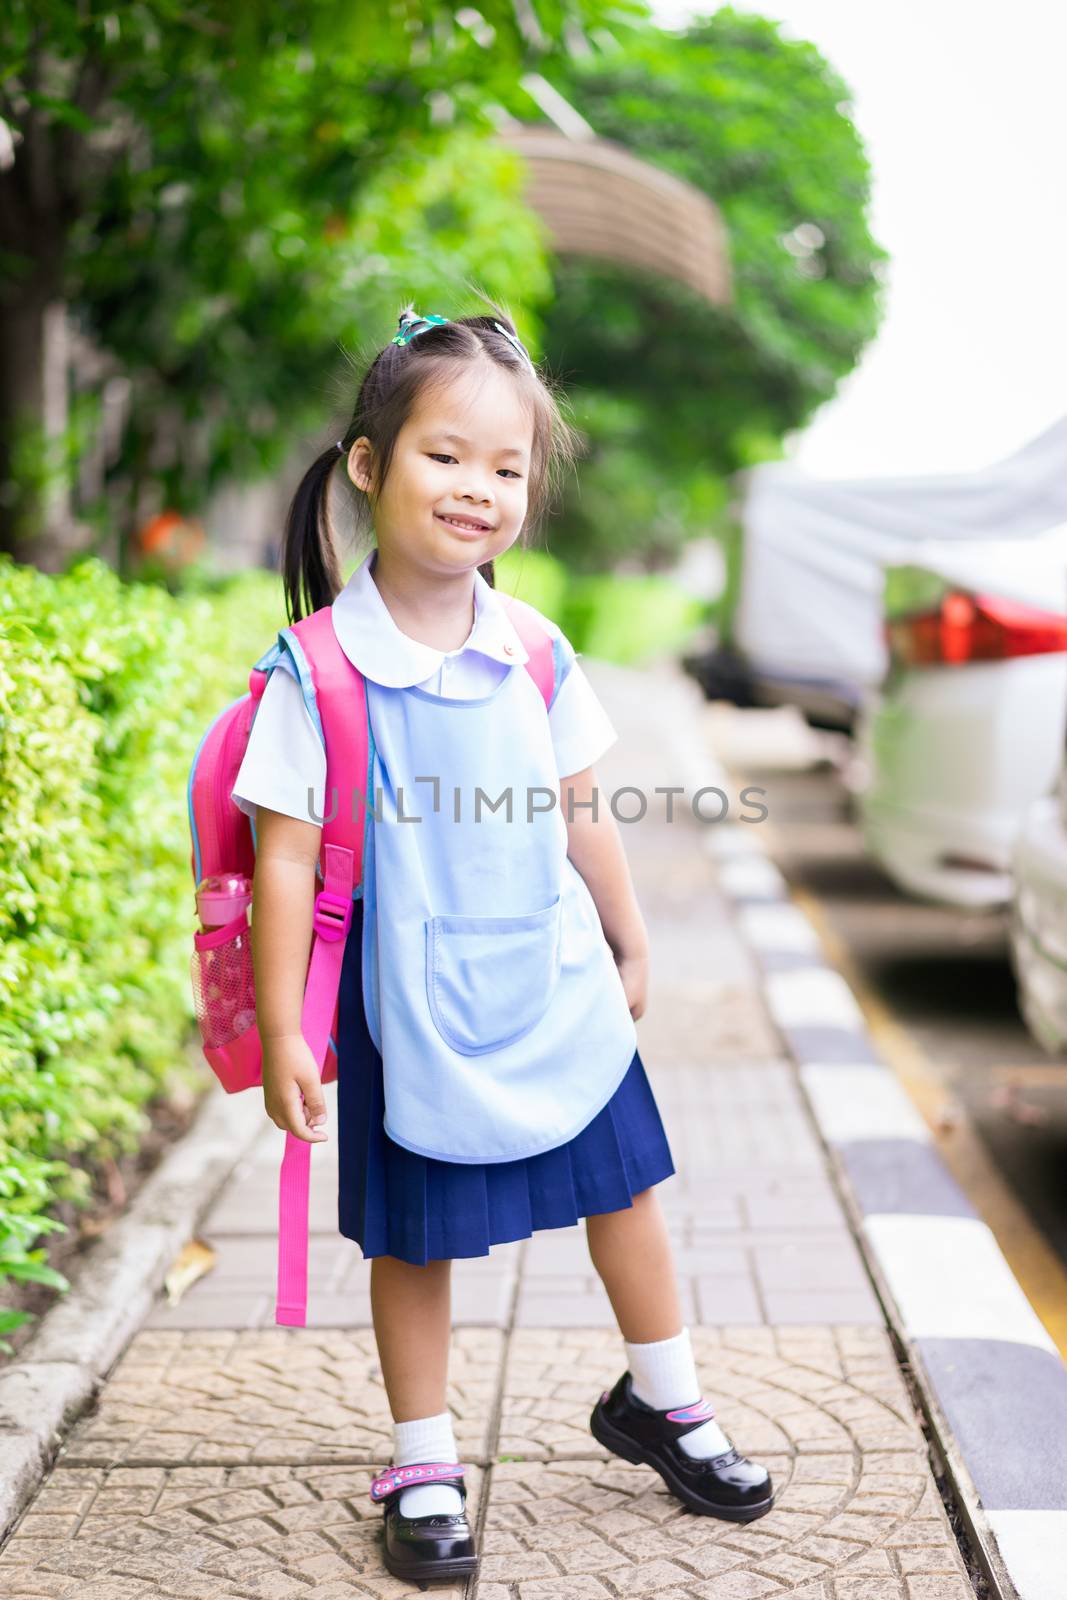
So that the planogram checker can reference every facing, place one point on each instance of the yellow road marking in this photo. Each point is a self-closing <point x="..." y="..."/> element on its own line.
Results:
<point x="1028" y="1253"/>
<point x="1031" y="1074"/>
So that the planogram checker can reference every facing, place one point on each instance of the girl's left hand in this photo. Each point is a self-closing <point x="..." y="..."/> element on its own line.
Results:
<point x="633" y="970"/>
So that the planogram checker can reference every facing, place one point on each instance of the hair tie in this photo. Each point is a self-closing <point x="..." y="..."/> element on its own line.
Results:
<point x="340" y="447"/>
<point x="411" y="325"/>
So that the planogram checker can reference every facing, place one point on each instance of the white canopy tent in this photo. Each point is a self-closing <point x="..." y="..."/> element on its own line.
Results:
<point x="810" y="605"/>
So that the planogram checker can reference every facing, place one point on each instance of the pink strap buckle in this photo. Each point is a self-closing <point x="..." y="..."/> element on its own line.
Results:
<point x="418" y="1472"/>
<point x="333" y="915"/>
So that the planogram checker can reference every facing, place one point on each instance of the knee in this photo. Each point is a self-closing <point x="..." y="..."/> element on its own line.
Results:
<point x="644" y="1201"/>
<point x="396" y="1265"/>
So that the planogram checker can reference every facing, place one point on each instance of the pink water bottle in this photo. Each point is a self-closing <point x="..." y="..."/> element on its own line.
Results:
<point x="220" y="899"/>
<point x="224" y="992"/>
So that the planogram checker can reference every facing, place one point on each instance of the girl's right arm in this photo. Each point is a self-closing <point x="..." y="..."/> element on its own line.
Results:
<point x="283" y="897"/>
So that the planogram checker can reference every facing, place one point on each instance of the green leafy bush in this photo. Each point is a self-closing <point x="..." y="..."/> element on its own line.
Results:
<point x="534" y="576"/>
<point x="627" y="618"/>
<point x="105" y="689"/>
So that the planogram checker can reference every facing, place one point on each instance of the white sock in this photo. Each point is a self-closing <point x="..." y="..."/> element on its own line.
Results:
<point x="427" y="1439"/>
<point x="664" y="1376"/>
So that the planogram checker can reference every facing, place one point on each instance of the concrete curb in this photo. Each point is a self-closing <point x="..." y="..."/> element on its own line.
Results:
<point x="56" y="1380"/>
<point x="990" y="1378"/>
<point x="991" y="1382"/>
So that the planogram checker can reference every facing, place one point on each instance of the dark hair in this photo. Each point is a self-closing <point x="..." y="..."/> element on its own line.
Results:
<point x="391" y="384"/>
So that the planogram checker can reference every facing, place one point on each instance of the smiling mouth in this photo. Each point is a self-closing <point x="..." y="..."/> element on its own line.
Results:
<point x="464" y="525"/>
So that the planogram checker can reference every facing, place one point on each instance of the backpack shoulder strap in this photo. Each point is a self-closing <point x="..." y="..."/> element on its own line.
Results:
<point x="539" y="644"/>
<point x="336" y="697"/>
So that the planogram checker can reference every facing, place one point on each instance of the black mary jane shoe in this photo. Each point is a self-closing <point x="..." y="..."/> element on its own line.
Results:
<point x="728" y="1485"/>
<point x="425" y="1549"/>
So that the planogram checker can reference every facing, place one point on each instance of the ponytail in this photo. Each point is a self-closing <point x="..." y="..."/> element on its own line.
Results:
<point x="311" y="568"/>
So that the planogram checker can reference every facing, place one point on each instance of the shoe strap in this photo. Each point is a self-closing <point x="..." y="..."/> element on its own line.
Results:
<point x="690" y="1417"/>
<point x="394" y="1479"/>
<point x="685" y="1418"/>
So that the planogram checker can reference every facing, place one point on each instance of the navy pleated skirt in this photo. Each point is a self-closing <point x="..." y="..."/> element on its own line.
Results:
<point x="393" y="1202"/>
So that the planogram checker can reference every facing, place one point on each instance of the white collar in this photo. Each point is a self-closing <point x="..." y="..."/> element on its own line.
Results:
<point x="375" y="645"/>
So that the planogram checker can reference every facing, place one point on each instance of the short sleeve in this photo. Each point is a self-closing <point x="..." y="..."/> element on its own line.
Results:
<point x="284" y="758"/>
<point x="581" y="729"/>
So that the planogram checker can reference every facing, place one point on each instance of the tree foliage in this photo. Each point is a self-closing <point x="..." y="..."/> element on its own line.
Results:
<point x="224" y="195"/>
<point x="230" y="199"/>
<point x="761" y="124"/>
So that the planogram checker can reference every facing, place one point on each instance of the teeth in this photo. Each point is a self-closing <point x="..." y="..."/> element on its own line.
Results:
<point x="458" y="524"/>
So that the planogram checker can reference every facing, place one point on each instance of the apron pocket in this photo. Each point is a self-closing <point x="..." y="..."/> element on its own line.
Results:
<point x="489" y="979"/>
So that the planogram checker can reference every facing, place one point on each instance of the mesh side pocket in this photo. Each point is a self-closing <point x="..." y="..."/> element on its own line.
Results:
<point x="223" y="985"/>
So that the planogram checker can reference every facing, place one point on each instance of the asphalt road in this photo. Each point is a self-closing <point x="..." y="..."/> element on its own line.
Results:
<point x="938" y="990"/>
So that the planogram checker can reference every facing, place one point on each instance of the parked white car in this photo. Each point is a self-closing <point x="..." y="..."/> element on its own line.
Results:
<point x="807" y="626"/>
<point x="1039" y="918"/>
<point x="966" y="732"/>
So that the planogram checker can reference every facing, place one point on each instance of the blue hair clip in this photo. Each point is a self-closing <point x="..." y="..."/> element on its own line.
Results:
<point x="411" y="326"/>
<point x="513" y="339"/>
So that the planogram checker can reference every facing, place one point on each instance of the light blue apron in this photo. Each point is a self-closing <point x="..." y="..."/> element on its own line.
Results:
<point x="490" y="990"/>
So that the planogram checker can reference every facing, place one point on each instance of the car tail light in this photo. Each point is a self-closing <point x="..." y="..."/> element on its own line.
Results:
<point x="967" y="627"/>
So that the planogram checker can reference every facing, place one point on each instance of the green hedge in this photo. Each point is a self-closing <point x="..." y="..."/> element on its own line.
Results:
<point x="625" y="618"/>
<point x="105" y="690"/>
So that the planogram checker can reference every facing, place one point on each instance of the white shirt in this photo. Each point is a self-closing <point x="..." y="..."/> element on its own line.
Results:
<point x="285" y="756"/>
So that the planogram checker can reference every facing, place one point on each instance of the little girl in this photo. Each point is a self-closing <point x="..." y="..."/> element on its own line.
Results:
<point x="489" y="1082"/>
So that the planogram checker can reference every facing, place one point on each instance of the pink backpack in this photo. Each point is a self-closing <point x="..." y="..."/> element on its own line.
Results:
<point x="223" y="842"/>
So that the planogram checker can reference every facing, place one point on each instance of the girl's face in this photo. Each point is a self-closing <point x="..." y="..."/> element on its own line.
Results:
<point x="463" y="453"/>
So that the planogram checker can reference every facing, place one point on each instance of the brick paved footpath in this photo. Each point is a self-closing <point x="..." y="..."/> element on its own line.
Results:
<point x="230" y="1458"/>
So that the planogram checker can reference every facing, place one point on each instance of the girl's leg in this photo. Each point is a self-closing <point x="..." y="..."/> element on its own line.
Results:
<point x="631" y="1250"/>
<point x="412" y="1309"/>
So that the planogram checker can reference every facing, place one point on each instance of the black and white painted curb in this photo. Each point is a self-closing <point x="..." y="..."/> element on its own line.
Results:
<point x="991" y="1378"/>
